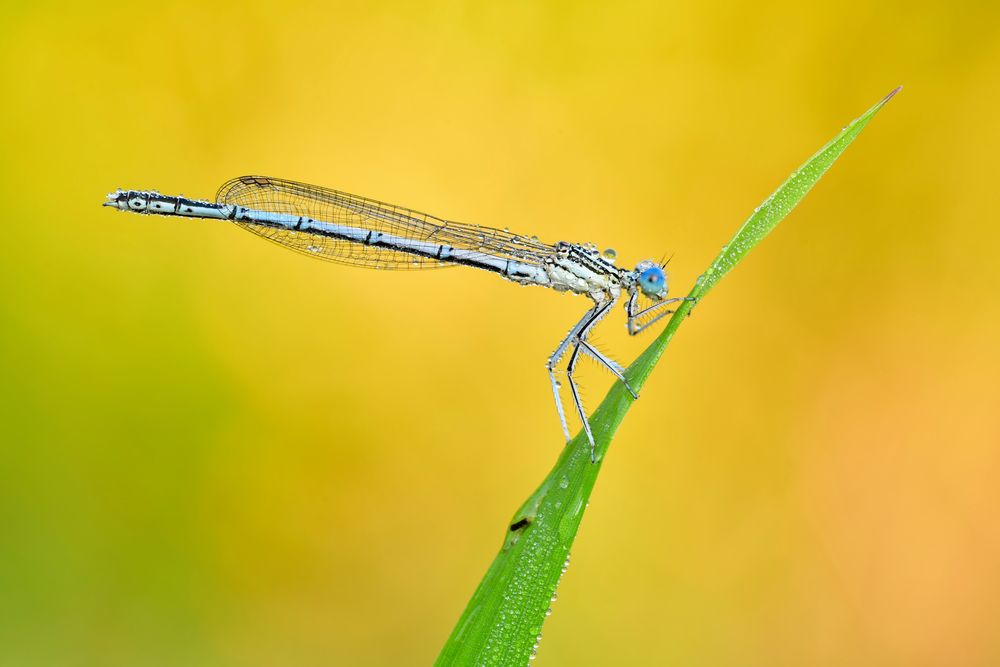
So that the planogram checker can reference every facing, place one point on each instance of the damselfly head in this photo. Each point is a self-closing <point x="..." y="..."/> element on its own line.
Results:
<point x="651" y="279"/>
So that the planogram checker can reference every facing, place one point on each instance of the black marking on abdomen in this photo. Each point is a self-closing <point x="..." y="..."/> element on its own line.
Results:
<point x="468" y="261"/>
<point x="374" y="238"/>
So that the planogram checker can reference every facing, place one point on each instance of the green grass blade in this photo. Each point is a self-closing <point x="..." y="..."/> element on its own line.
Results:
<point x="502" y="622"/>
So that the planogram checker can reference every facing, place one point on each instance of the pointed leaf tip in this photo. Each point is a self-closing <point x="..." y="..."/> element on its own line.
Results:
<point x="891" y="95"/>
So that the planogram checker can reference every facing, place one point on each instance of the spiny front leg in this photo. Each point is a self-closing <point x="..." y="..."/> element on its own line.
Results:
<point x="554" y="360"/>
<point x="634" y="314"/>
<point x="612" y="365"/>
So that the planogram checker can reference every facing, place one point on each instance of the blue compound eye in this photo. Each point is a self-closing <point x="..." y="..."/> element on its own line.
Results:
<point x="653" y="282"/>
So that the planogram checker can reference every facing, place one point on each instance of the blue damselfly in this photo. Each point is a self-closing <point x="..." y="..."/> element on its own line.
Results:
<point x="348" y="229"/>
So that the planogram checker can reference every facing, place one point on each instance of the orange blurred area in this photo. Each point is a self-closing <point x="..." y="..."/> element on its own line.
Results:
<point x="216" y="452"/>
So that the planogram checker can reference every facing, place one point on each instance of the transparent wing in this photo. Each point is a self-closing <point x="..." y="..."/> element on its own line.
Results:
<point x="263" y="193"/>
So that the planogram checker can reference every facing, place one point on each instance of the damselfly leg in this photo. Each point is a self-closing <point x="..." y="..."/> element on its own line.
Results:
<point x="635" y="314"/>
<point x="577" y="340"/>
<point x="554" y="360"/>
<point x="613" y="366"/>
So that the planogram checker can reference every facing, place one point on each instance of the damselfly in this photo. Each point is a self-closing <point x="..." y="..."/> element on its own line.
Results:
<point x="347" y="229"/>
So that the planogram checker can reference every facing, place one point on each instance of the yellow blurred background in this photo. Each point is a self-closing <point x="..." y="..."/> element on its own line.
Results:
<point x="216" y="452"/>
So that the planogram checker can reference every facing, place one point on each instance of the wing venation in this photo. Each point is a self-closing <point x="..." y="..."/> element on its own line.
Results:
<point x="281" y="196"/>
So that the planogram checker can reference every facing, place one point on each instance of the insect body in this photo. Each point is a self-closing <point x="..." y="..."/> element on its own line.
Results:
<point x="348" y="229"/>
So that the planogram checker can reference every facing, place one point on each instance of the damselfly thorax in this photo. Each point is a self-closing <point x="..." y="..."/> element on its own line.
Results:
<point x="347" y="229"/>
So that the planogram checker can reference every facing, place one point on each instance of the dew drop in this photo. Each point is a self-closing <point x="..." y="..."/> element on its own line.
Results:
<point x="313" y="248"/>
<point x="610" y="254"/>
<point x="564" y="482"/>
<point x="548" y="612"/>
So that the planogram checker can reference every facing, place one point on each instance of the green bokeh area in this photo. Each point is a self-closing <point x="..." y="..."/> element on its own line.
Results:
<point x="107" y="535"/>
